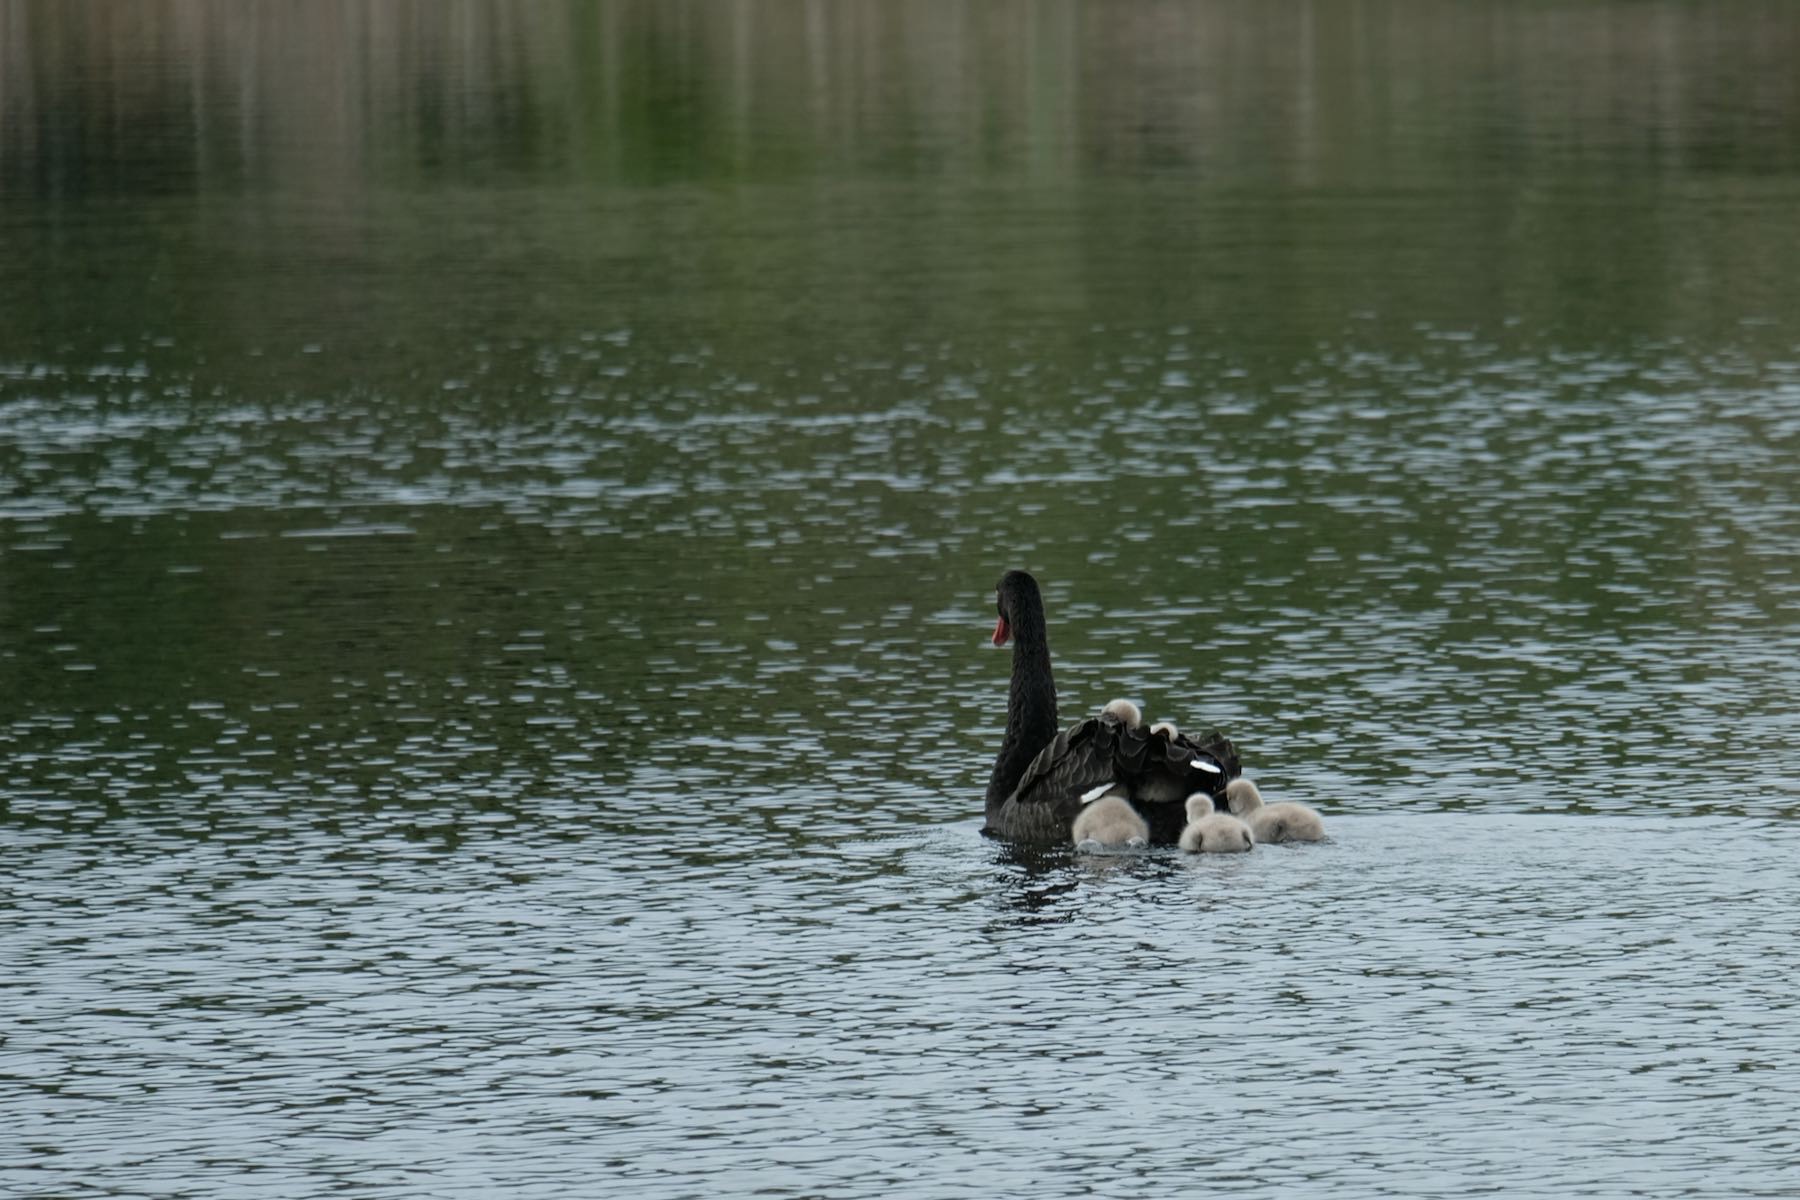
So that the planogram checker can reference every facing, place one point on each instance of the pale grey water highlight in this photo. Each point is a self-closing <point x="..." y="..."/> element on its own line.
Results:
<point x="498" y="508"/>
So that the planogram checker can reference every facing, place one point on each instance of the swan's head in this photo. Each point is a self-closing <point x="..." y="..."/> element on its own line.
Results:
<point x="1017" y="599"/>
<point x="1199" y="805"/>
<point x="1242" y="797"/>
<point x="1126" y="711"/>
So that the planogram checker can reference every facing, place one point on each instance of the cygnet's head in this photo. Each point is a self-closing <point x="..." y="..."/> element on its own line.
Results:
<point x="1242" y="797"/>
<point x="1199" y="805"/>
<point x="1126" y="711"/>
<point x="1165" y="727"/>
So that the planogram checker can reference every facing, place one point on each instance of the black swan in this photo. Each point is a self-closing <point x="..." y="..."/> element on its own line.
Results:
<point x="1282" y="822"/>
<point x="1044" y="775"/>
<point x="1210" y="832"/>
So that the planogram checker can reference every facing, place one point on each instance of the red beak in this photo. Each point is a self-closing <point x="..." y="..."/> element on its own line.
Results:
<point x="1001" y="632"/>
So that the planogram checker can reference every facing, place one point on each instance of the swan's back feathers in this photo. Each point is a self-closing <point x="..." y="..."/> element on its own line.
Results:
<point x="1104" y="749"/>
<point x="1076" y="760"/>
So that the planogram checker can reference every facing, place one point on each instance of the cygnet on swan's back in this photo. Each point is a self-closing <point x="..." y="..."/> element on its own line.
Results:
<point x="1109" y="821"/>
<point x="1282" y="822"/>
<point x="1210" y="832"/>
<point x="1126" y="711"/>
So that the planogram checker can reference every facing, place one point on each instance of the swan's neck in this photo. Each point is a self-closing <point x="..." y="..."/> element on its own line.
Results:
<point x="1030" y="708"/>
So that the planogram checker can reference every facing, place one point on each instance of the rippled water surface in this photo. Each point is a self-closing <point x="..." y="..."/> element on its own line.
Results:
<point x="1425" y="1005"/>
<point x="499" y="507"/>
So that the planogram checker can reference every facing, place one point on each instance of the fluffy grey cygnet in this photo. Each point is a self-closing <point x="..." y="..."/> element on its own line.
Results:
<point x="1210" y="832"/>
<point x="1126" y="711"/>
<point x="1109" y="821"/>
<point x="1167" y="727"/>
<point x="1282" y="822"/>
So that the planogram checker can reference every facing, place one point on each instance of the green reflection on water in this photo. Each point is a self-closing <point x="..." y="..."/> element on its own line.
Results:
<point x="774" y="170"/>
<point x="676" y="332"/>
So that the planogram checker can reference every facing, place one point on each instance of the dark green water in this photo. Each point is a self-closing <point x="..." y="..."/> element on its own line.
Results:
<point x="498" y="511"/>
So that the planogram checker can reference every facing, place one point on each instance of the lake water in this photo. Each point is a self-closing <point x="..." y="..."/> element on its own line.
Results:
<point x="499" y="506"/>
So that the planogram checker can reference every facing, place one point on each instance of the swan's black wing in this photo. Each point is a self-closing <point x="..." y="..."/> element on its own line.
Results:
<point x="1158" y="772"/>
<point x="1077" y="759"/>
<point x="1178" y="767"/>
<point x="1217" y="747"/>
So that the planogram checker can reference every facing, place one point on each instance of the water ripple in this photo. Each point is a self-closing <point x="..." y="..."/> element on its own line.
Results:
<point x="296" y="1011"/>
